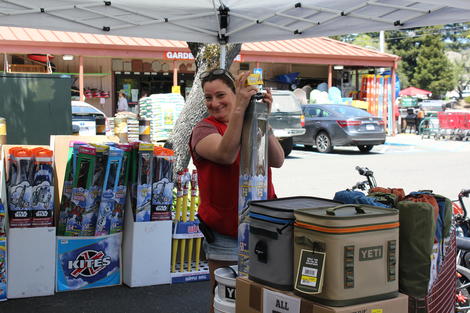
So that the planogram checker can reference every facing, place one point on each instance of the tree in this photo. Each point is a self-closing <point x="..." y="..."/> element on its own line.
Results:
<point x="461" y="67"/>
<point x="433" y="71"/>
<point x="404" y="44"/>
<point x="207" y="56"/>
<point x="423" y="60"/>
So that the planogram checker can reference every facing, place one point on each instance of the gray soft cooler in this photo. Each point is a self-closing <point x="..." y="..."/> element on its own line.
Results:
<point x="360" y="248"/>
<point x="271" y="242"/>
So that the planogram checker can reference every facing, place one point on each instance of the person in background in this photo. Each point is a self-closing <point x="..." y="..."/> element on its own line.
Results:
<point x="215" y="150"/>
<point x="419" y="118"/>
<point x="122" y="105"/>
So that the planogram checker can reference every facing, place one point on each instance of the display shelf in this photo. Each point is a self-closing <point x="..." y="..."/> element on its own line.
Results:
<point x="146" y="251"/>
<point x="28" y="276"/>
<point x="193" y="276"/>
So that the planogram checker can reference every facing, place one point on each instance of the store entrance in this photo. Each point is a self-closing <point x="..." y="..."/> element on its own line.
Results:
<point x="134" y="84"/>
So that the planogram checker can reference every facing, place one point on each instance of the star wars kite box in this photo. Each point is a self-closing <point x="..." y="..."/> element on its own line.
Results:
<point x="88" y="262"/>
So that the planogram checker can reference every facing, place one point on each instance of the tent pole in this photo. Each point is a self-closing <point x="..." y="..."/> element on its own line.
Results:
<point x="175" y="74"/>
<point x="330" y="76"/>
<point x="80" y="77"/>
<point x="394" y="104"/>
<point x="223" y="53"/>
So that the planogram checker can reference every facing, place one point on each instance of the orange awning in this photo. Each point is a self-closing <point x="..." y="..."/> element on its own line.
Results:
<point x="319" y="50"/>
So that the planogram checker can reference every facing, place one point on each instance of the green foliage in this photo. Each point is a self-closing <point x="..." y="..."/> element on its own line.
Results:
<point x="467" y="99"/>
<point x="423" y="60"/>
<point x="434" y="71"/>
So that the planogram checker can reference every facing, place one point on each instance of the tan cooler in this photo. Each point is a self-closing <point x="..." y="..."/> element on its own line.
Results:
<point x="346" y="255"/>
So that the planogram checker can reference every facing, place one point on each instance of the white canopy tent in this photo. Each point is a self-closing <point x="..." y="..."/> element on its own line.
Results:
<point x="230" y="21"/>
<point x="211" y="21"/>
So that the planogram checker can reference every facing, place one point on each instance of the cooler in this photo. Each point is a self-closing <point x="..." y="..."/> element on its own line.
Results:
<point x="347" y="254"/>
<point x="270" y="241"/>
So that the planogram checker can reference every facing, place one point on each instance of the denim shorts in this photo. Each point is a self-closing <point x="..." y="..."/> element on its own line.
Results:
<point x="224" y="248"/>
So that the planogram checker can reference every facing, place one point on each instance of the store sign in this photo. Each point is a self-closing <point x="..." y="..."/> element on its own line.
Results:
<point x="178" y="55"/>
<point x="88" y="262"/>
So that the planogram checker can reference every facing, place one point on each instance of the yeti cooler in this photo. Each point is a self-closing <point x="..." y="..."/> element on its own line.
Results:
<point x="270" y="241"/>
<point x="346" y="255"/>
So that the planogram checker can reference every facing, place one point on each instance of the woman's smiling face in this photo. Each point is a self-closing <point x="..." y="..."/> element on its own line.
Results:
<point x="219" y="99"/>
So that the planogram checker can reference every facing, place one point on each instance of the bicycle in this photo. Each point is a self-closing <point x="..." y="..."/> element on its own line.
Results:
<point x="367" y="184"/>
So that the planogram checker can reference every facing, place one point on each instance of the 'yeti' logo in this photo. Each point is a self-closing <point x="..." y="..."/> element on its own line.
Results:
<point x="89" y="263"/>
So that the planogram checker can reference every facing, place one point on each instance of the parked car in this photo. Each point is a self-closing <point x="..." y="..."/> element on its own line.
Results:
<point x="84" y="115"/>
<point x="329" y="125"/>
<point x="286" y="118"/>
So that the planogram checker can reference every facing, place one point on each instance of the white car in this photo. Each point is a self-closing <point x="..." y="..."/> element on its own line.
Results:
<point x="85" y="115"/>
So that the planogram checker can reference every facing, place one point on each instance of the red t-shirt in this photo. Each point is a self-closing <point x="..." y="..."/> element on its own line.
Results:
<point x="218" y="183"/>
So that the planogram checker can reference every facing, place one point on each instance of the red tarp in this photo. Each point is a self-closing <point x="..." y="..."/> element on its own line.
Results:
<point x="413" y="91"/>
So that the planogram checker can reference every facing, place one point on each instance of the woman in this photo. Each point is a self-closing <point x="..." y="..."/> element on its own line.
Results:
<point x="215" y="147"/>
<point x="122" y="105"/>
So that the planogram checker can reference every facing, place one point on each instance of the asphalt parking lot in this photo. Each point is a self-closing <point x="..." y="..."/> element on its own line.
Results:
<point x="405" y="161"/>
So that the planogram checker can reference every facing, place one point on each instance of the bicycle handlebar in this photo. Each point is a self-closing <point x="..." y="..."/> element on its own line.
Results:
<point x="463" y="194"/>
<point x="364" y="171"/>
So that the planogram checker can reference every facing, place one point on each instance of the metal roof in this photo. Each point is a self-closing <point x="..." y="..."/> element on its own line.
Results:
<point x="320" y="50"/>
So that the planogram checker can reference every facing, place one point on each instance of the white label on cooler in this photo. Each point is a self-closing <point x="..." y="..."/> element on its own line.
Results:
<point x="279" y="302"/>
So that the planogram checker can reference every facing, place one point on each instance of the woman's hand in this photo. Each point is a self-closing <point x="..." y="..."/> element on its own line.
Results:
<point x="244" y="92"/>
<point x="268" y="99"/>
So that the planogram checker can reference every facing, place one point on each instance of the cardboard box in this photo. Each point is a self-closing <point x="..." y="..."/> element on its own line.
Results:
<point x="31" y="262"/>
<point x="146" y="251"/>
<point x="252" y="297"/>
<point x="28" y="276"/>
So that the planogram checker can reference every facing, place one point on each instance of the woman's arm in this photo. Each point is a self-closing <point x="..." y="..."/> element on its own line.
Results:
<point x="275" y="151"/>
<point x="224" y="149"/>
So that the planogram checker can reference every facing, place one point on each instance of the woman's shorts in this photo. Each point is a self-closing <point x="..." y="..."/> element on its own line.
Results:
<point x="224" y="248"/>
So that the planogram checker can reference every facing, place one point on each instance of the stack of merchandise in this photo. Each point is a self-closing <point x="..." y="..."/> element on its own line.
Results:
<point x="152" y="182"/>
<point x="132" y="125"/>
<point x="3" y="254"/>
<point x="145" y="108"/>
<point x="163" y="110"/>
<point x="133" y="129"/>
<point x="186" y="234"/>
<point x="30" y="187"/>
<point x="95" y="189"/>
<point x="110" y="126"/>
<point x="377" y="91"/>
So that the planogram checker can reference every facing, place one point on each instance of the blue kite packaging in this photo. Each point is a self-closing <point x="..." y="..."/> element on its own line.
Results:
<point x="88" y="262"/>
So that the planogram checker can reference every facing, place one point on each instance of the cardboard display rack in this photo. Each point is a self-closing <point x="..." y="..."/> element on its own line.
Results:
<point x="146" y="251"/>
<point x="73" y="271"/>
<point x="28" y="276"/>
<point x="188" y="232"/>
<point x="60" y="145"/>
<point x="193" y="276"/>
<point x="88" y="262"/>
<point x="252" y="297"/>
<point x="31" y="262"/>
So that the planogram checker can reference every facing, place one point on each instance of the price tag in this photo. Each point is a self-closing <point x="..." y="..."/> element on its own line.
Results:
<point x="279" y="302"/>
<point x="309" y="278"/>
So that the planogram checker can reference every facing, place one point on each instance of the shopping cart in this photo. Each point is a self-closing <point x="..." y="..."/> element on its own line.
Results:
<point x="429" y="126"/>
<point x="465" y="127"/>
<point x="453" y="125"/>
